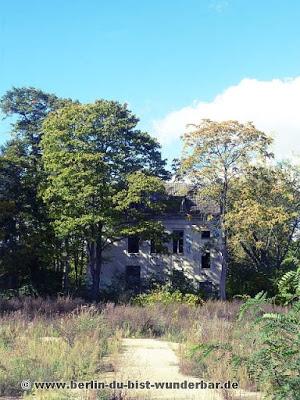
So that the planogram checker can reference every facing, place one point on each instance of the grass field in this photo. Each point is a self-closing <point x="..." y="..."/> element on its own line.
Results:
<point x="64" y="339"/>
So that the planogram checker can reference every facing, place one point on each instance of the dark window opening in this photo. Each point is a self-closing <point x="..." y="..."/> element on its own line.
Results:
<point x="154" y="248"/>
<point x="206" y="287"/>
<point x="205" y="234"/>
<point x="178" y="242"/>
<point x="205" y="260"/>
<point x="133" y="278"/>
<point x="133" y="244"/>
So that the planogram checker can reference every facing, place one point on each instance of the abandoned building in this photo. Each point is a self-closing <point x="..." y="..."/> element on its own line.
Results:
<point x="194" y="247"/>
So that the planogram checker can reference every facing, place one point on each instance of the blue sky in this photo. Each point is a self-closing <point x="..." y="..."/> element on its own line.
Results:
<point x="159" y="56"/>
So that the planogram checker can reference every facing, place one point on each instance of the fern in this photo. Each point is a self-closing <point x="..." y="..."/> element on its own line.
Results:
<point x="253" y="304"/>
<point x="276" y="362"/>
<point x="289" y="287"/>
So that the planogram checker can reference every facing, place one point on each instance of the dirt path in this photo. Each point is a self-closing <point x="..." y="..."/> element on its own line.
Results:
<point x="155" y="361"/>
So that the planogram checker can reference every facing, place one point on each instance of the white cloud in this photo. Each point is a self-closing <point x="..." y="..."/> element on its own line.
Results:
<point x="273" y="106"/>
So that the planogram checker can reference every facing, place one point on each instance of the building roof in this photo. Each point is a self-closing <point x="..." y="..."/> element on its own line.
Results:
<point x="184" y="198"/>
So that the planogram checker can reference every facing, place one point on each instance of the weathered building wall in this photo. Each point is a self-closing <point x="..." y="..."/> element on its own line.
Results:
<point x="117" y="258"/>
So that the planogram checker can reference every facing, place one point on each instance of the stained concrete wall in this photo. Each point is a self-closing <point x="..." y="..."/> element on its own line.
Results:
<point x="117" y="257"/>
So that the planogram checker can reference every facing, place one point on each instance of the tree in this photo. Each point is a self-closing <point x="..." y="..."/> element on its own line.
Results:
<point x="29" y="242"/>
<point x="263" y="220"/>
<point x="214" y="154"/>
<point x="25" y="236"/>
<point x="30" y="106"/>
<point x="100" y="177"/>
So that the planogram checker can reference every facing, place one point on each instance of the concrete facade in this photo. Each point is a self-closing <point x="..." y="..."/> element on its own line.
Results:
<point x="190" y="260"/>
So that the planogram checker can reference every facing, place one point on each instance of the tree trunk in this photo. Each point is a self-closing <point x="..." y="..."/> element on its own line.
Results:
<point x="76" y="261"/>
<point x="95" y="265"/>
<point x="223" y="209"/>
<point x="82" y="260"/>
<point x="66" y="268"/>
<point x="222" y="291"/>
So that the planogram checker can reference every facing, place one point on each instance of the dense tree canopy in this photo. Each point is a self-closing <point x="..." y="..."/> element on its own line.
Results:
<point x="99" y="167"/>
<point x="27" y="247"/>
<point x="48" y="214"/>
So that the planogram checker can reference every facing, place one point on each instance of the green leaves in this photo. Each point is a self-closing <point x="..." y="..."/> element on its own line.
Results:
<point x="106" y="128"/>
<point x="142" y="191"/>
<point x="90" y="156"/>
<point x="276" y="364"/>
<point x="63" y="174"/>
<point x="253" y="304"/>
<point x="215" y="154"/>
<point x="217" y="148"/>
<point x="99" y="176"/>
<point x="289" y="287"/>
<point x="30" y="106"/>
<point x="264" y="214"/>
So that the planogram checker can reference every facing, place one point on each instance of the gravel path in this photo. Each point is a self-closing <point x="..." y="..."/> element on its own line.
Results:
<point x="155" y="361"/>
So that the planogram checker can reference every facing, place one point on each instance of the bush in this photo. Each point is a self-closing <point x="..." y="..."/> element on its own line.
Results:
<point x="275" y="359"/>
<point x="259" y="349"/>
<point x="164" y="295"/>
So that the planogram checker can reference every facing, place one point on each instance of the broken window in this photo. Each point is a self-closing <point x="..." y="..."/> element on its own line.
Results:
<point x="205" y="234"/>
<point x="133" y="277"/>
<point x="177" y="242"/>
<point x="133" y="244"/>
<point x="205" y="259"/>
<point x="154" y="248"/>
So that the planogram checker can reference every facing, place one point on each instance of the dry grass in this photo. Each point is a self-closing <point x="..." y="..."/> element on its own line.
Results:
<point x="31" y="306"/>
<point x="66" y="339"/>
<point x="175" y="322"/>
<point x="39" y="348"/>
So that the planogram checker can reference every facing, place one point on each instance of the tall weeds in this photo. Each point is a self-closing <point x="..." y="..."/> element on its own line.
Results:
<point x="61" y="348"/>
<point x="67" y="339"/>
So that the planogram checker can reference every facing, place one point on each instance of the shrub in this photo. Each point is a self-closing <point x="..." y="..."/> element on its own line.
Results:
<point x="31" y="306"/>
<point x="275" y="361"/>
<point x="259" y="348"/>
<point x="165" y="296"/>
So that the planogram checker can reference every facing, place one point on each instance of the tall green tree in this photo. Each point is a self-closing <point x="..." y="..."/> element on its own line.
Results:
<point x="29" y="238"/>
<point x="214" y="154"/>
<point x="29" y="107"/>
<point x="100" y="177"/>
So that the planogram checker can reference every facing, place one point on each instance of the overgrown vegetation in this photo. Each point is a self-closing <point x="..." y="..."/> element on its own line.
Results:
<point x="255" y="343"/>
<point x="275" y="360"/>
<point x="163" y="295"/>
<point x="55" y="347"/>
<point x="260" y="349"/>
<point x="289" y="287"/>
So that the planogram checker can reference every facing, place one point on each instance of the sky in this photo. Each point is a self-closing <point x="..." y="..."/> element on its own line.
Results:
<point x="173" y="61"/>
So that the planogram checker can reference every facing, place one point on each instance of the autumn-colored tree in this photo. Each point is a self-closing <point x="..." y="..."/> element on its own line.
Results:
<point x="264" y="218"/>
<point x="214" y="154"/>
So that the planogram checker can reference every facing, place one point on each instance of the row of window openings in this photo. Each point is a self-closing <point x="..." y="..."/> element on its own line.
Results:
<point x="133" y="246"/>
<point x="133" y="273"/>
<point x="133" y="279"/>
<point x="134" y="242"/>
